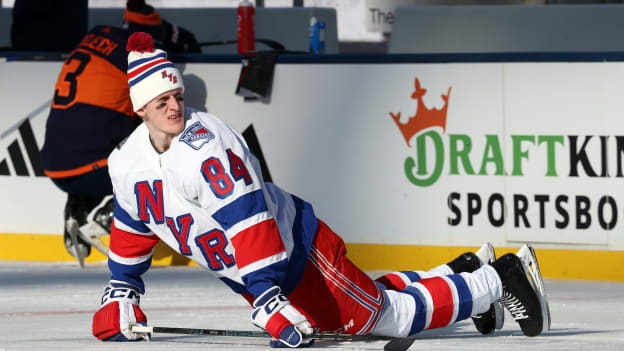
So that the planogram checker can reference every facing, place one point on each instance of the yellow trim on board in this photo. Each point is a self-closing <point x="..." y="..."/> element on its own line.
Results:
<point x="555" y="263"/>
<point x="50" y="248"/>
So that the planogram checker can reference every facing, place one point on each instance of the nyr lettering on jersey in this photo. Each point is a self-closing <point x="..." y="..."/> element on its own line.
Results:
<point x="196" y="136"/>
<point x="180" y="230"/>
<point x="212" y="245"/>
<point x="151" y="200"/>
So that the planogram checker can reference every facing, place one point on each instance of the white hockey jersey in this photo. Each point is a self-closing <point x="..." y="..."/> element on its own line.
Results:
<point x="206" y="199"/>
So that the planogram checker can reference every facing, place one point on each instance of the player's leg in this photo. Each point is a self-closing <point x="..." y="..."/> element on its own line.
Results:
<point x="485" y="322"/>
<point x="76" y="210"/>
<point x="439" y="301"/>
<point x="494" y="318"/>
<point x="334" y="294"/>
<point x="466" y="262"/>
<point x="85" y="192"/>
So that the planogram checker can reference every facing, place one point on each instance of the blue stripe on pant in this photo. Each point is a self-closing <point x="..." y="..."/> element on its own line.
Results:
<point x="420" y="315"/>
<point x="465" y="296"/>
<point x="412" y="276"/>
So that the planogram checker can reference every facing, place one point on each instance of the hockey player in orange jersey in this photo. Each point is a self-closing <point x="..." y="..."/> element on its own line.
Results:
<point x="91" y="112"/>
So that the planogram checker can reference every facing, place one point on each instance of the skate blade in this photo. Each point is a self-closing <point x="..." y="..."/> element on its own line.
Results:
<point x="532" y="270"/>
<point x="92" y="233"/>
<point x="499" y="312"/>
<point x="486" y="254"/>
<point x="72" y="229"/>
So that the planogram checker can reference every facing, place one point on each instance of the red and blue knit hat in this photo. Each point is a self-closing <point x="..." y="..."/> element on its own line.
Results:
<point x="149" y="72"/>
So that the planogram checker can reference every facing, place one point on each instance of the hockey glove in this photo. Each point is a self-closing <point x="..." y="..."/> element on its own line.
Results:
<point x="274" y="313"/>
<point x="119" y="312"/>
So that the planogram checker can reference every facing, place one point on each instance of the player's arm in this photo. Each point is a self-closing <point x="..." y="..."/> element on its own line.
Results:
<point x="231" y="188"/>
<point x="130" y="255"/>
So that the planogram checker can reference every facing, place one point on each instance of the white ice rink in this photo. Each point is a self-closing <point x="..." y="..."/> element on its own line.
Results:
<point x="50" y="307"/>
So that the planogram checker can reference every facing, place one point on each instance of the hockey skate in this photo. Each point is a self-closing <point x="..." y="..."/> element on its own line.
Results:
<point x="87" y="220"/>
<point x="98" y="225"/>
<point x="74" y="245"/>
<point x="523" y="291"/>
<point x="494" y="318"/>
<point x="528" y="257"/>
<point x="74" y="214"/>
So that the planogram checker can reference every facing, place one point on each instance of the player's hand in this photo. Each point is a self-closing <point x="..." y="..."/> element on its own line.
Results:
<point x="274" y="313"/>
<point x="119" y="312"/>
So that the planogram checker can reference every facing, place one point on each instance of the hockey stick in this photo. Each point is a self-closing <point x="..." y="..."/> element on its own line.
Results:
<point x="394" y="344"/>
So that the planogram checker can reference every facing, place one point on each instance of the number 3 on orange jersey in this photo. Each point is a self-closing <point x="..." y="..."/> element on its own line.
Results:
<point x="70" y="77"/>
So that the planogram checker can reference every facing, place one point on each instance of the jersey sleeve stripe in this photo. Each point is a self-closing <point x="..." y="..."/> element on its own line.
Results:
<point x="129" y="245"/>
<point x="123" y="216"/>
<point x="129" y="261"/>
<point x="130" y="274"/>
<point x="257" y="242"/>
<point x="246" y="223"/>
<point x="242" y="208"/>
<point x="122" y="226"/>
<point x="265" y="262"/>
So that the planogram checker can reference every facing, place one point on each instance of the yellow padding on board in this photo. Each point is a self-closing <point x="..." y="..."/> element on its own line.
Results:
<point x="50" y="248"/>
<point x="554" y="263"/>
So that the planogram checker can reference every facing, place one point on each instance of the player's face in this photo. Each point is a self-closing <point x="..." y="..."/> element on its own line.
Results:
<point x="164" y="117"/>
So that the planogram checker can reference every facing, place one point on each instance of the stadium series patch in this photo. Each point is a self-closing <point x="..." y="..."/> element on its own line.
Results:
<point x="196" y="135"/>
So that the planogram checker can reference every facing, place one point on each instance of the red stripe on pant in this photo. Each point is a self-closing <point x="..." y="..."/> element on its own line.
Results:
<point x="327" y="306"/>
<point x="442" y="297"/>
<point x="392" y="282"/>
<point x="340" y="280"/>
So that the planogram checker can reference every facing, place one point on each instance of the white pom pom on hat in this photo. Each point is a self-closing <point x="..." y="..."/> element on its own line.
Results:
<point x="149" y="72"/>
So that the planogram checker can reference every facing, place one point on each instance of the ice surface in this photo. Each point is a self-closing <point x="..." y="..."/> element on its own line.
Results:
<point x="45" y="306"/>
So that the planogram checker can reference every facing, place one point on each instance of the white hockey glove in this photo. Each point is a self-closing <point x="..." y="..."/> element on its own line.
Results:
<point x="118" y="313"/>
<point x="274" y="313"/>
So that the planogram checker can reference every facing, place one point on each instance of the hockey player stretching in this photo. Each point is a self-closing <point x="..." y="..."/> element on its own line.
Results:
<point x="188" y="179"/>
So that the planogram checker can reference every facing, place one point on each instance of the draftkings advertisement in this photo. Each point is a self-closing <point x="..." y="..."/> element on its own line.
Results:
<point x="391" y="153"/>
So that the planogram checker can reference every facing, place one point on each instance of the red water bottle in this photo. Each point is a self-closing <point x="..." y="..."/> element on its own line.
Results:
<point x="246" y="37"/>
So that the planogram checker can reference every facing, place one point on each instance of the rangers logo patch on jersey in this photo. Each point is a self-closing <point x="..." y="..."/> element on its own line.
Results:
<point x="196" y="135"/>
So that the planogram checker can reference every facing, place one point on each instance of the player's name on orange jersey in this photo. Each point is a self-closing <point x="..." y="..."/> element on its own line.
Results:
<point x="98" y="43"/>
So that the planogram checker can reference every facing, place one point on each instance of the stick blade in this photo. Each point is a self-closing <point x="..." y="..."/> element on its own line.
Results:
<point x="399" y="344"/>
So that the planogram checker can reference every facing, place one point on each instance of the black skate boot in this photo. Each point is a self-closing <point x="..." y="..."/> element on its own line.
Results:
<point x="75" y="215"/>
<point x="466" y="262"/>
<point x="493" y="318"/>
<point x="521" y="296"/>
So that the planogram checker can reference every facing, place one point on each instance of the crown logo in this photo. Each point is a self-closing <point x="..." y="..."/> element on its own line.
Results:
<point x="424" y="117"/>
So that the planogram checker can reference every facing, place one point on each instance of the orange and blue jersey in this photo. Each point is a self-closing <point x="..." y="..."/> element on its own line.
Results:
<point x="91" y="109"/>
